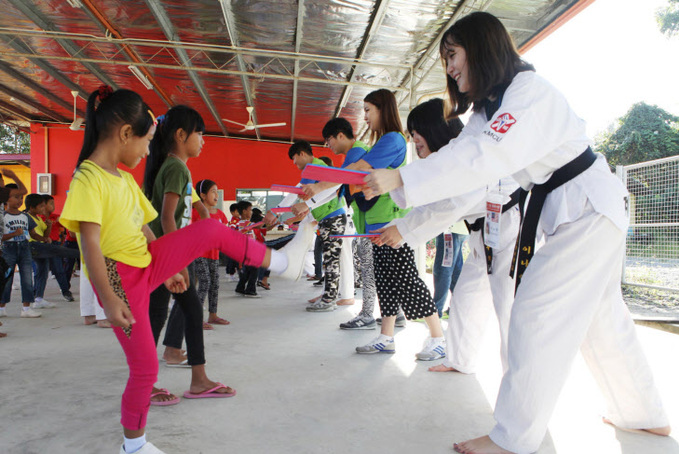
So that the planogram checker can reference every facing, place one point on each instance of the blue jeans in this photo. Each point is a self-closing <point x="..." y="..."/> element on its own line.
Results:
<point x="46" y="256"/>
<point x="18" y="253"/>
<point x="445" y="277"/>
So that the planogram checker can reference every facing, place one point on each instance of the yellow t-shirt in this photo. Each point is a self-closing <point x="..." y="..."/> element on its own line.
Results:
<point x="39" y="228"/>
<point x="118" y="205"/>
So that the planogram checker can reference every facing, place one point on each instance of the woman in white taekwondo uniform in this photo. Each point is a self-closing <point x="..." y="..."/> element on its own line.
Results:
<point x="569" y="297"/>
<point x="484" y="281"/>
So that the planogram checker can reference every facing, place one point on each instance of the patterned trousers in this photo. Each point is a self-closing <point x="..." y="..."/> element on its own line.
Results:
<point x="207" y="274"/>
<point x="331" y="253"/>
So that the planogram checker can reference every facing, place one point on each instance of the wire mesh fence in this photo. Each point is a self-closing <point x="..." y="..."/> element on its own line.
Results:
<point x="652" y="249"/>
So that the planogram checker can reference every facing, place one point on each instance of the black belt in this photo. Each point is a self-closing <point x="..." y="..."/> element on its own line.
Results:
<point x="478" y="225"/>
<point x="525" y="242"/>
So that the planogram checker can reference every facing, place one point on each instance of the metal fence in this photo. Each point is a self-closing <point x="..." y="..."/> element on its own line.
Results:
<point x="652" y="248"/>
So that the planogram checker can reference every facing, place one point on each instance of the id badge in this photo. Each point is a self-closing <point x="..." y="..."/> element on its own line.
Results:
<point x="491" y="233"/>
<point x="447" y="250"/>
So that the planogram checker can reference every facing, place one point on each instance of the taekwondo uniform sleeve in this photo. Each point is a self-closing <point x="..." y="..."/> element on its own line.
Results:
<point x="322" y="197"/>
<point x="289" y="199"/>
<point x="533" y="133"/>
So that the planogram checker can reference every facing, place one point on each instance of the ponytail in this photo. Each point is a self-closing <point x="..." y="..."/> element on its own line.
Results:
<point x="163" y="143"/>
<point x="115" y="108"/>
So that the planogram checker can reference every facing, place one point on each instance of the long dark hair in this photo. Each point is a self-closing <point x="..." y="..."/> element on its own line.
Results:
<point x="492" y="60"/>
<point x="385" y="101"/>
<point x="428" y="120"/>
<point x="116" y="108"/>
<point x="163" y="143"/>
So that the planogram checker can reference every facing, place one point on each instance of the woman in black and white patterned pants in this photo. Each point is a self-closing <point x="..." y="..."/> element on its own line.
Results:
<point x="399" y="283"/>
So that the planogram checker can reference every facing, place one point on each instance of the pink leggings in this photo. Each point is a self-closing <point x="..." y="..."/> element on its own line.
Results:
<point x="171" y="253"/>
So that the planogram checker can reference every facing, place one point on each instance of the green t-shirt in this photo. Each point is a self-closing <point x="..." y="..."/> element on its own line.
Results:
<point x="174" y="177"/>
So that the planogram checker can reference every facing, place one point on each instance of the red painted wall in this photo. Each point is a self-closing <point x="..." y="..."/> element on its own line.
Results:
<point x="232" y="163"/>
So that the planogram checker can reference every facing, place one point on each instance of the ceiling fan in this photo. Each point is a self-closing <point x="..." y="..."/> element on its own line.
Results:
<point x="77" y="121"/>
<point x="250" y="125"/>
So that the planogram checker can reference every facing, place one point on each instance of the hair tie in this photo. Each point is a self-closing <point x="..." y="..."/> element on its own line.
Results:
<point x="153" y="118"/>
<point x="160" y="119"/>
<point x="104" y="92"/>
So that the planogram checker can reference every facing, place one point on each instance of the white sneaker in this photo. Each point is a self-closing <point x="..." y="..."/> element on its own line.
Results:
<point x="3" y="312"/>
<point x="148" y="448"/>
<point x="296" y="250"/>
<point x="434" y="348"/>
<point x="41" y="303"/>
<point x="30" y="313"/>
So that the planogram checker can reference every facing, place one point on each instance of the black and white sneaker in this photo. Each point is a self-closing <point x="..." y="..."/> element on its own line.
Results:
<point x="68" y="296"/>
<point x="359" y="322"/>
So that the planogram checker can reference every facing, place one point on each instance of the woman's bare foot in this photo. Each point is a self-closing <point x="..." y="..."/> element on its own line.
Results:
<point x="103" y="324"/>
<point x="161" y="396"/>
<point x="89" y="319"/>
<point x="442" y="368"/>
<point x="481" y="445"/>
<point x="313" y="300"/>
<point x="662" y="431"/>
<point x="182" y="352"/>
<point x="345" y="302"/>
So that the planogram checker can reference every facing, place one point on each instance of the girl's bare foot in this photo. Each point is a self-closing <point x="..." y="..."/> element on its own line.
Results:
<point x="313" y="300"/>
<point x="103" y="324"/>
<point x="89" y="319"/>
<point x="206" y="384"/>
<point x="216" y="320"/>
<point x="442" y="368"/>
<point x="662" y="431"/>
<point x="481" y="445"/>
<point x="161" y="395"/>
<point x="174" y="355"/>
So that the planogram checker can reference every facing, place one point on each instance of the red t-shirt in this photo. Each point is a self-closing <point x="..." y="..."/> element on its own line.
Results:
<point x="219" y="215"/>
<point x="260" y="234"/>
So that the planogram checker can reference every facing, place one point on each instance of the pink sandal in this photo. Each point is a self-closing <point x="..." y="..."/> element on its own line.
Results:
<point x="164" y="403"/>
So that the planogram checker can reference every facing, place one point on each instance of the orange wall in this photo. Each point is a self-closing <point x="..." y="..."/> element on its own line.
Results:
<point x="233" y="164"/>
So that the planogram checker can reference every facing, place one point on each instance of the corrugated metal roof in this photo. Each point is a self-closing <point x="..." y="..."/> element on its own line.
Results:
<point x="299" y="62"/>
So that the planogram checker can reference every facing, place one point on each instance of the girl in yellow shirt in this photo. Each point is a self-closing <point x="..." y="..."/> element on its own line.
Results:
<point x="109" y="213"/>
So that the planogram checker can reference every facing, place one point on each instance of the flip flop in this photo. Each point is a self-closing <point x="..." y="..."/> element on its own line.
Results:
<point x="210" y="393"/>
<point x="263" y="285"/>
<point x="207" y="326"/>
<point x="219" y="321"/>
<point x="164" y="403"/>
<point x="184" y="364"/>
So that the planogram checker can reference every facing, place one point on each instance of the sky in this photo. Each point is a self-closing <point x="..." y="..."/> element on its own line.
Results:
<point x="609" y="57"/>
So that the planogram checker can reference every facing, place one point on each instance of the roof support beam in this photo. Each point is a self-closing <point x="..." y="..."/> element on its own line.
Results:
<point x="298" y="44"/>
<point x="31" y="11"/>
<point x="99" y="18"/>
<point x="427" y="56"/>
<point x="29" y="102"/>
<point x="7" y="69"/>
<point x="230" y="30"/>
<point x="37" y="59"/>
<point x="375" y="22"/>
<point x="171" y="34"/>
<point x="16" y="113"/>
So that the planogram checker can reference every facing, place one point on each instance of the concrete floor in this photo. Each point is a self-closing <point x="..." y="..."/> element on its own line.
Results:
<point x="301" y="388"/>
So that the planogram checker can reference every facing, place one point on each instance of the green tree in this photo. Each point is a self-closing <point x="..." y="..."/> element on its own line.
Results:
<point x="644" y="133"/>
<point x="12" y="140"/>
<point x="668" y="18"/>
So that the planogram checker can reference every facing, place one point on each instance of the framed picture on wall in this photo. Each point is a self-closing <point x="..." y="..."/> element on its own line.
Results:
<point x="45" y="183"/>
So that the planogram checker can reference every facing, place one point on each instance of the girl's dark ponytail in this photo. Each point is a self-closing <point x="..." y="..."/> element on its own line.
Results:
<point x="163" y="143"/>
<point x="116" y="108"/>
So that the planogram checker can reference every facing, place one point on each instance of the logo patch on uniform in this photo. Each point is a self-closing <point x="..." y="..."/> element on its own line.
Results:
<point x="502" y="123"/>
